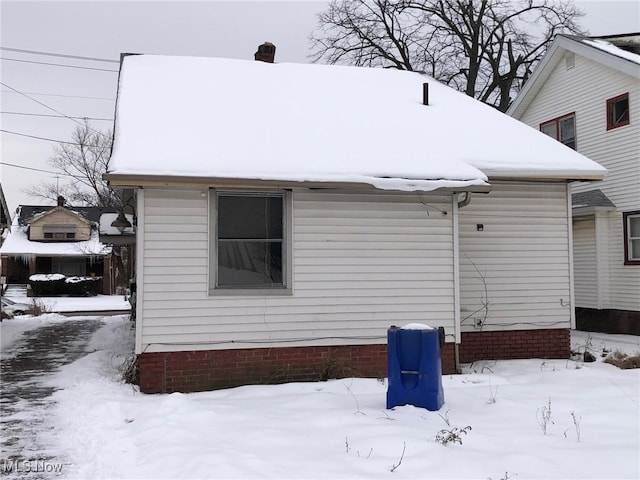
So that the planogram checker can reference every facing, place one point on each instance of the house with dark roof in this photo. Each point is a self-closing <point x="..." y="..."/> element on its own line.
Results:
<point x="585" y="93"/>
<point x="289" y="214"/>
<point x="63" y="239"/>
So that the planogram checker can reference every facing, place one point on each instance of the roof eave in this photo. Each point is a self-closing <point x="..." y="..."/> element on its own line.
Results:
<point x="567" y="175"/>
<point x="584" y="211"/>
<point x="141" y="181"/>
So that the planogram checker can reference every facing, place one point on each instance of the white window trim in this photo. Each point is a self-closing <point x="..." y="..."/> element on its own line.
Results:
<point x="629" y="260"/>
<point x="287" y="254"/>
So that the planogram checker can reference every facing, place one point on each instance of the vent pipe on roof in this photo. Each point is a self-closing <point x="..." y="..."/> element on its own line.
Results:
<point x="425" y="93"/>
<point x="266" y="53"/>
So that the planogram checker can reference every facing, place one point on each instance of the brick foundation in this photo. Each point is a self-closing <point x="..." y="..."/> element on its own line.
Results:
<point x="201" y="370"/>
<point x="514" y="344"/>
<point x="213" y="369"/>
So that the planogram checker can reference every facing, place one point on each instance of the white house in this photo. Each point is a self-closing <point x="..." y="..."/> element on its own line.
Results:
<point x="289" y="214"/>
<point x="586" y="93"/>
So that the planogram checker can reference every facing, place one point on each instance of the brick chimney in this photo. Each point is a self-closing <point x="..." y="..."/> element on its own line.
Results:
<point x="61" y="201"/>
<point x="266" y="53"/>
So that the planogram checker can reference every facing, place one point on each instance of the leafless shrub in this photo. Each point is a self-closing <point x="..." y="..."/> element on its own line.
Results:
<point x="445" y="437"/>
<point x="396" y="465"/>
<point x="576" y="425"/>
<point x="544" y="417"/>
<point x="38" y="307"/>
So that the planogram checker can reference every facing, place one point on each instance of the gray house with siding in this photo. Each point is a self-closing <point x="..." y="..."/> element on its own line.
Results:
<point x="289" y="214"/>
<point x="586" y="94"/>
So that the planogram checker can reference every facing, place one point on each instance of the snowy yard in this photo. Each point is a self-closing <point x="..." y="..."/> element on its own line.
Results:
<point x="340" y="428"/>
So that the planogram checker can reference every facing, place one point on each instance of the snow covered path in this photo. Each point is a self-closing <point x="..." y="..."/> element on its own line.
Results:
<point x="27" y="363"/>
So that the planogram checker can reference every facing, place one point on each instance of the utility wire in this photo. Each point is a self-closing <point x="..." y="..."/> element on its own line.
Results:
<point x="60" y="95"/>
<point x="37" y="169"/>
<point x="38" y="138"/>
<point x="52" y="109"/>
<point x="56" y="116"/>
<point x="61" y="55"/>
<point x="58" y="65"/>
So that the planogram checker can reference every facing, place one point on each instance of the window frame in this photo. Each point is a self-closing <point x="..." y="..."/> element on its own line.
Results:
<point x="610" y="102"/>
<point x="627" y="238"/>
<point x="556" y="121"/>
<point x="287" y="258"/>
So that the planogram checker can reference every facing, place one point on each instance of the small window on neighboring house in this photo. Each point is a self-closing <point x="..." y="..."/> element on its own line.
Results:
<point x="631" y="238"/>
<point x="618" y="111"/>
<point x="562" y="129"/>
<point x="59" y="232"/>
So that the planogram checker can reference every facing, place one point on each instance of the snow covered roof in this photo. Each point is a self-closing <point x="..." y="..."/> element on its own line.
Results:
<point x="76" y="215"/>
<point x="615" y="51"/>
<point x="17" y="244"/>
<point x="219" y="118"/>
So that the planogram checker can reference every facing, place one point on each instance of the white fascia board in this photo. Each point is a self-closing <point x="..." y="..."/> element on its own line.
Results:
<point x="531" y="174"/>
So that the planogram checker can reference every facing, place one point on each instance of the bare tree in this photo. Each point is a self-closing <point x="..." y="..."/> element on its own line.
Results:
<point x="81" y="163"/>
<point x="484" y="48"/>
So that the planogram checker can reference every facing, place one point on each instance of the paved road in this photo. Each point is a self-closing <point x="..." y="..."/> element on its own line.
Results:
<point x="25" y="366"/>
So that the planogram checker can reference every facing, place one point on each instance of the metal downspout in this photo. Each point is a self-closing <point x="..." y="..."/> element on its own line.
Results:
<point x="456" y="275"/>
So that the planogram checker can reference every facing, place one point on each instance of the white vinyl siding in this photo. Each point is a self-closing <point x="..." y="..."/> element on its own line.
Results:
<point x="361" y="263"/>
<point x="585" y="266"/>
<point x="584" y="90"/>
<point x="523" y="253"/>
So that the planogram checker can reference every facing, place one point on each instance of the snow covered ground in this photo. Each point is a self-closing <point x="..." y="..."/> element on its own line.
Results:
<point x="99" y="303"/>
<point x="341" y="429"/>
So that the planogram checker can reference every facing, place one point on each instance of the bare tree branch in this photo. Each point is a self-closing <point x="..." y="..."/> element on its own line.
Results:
<point x="484" y="48"/>
<point x="81" y="164"/>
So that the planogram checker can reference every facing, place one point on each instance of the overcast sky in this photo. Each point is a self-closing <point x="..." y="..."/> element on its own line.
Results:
<point x="105" y="29"/>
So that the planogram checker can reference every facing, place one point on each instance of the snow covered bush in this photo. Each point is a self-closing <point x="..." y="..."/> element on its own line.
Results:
<point x="47" y="285"/>
<point x="82" y="286"/>
<point x="56" y="284"/>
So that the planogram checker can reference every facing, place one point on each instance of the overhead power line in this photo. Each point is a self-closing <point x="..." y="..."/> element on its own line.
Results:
<point x="60" y="95"/>
<point x="37" y="137"/>
<point x="56" y="116"/>
<point x="61" y="55"/>
<point x="52" y="109"/>
<point x="58" y="65"/>
<point x="37" y="169"/>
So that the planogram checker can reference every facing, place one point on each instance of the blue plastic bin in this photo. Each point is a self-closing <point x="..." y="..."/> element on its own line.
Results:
<point x="414" y="368"/>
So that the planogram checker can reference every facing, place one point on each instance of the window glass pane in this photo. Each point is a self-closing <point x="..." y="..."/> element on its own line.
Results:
<point x="250" y="217"/>
<point x="634" y="254"/>
<point x="568" y="132"/>
<point x="549" y="129"/>
<point x="249" y="263"/>
<point x="619" y="112"/>
<point x="634" y="227"/>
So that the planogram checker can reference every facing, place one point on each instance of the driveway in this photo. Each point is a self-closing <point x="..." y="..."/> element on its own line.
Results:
<point x="25" y="400"/>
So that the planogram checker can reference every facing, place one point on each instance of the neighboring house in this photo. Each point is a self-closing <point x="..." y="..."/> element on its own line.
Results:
<point x="586" y="93"/>
<point x="57" y="239"/>
<point x="5" y="226"/>
<point x="289" y="214"/>
<point x="5" y="216"/>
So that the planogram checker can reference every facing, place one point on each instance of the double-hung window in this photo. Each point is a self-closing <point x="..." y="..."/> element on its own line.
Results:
<point x="631" y="228"/>
<point x="250" y="241"/>
<point x="562" y="129"/>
